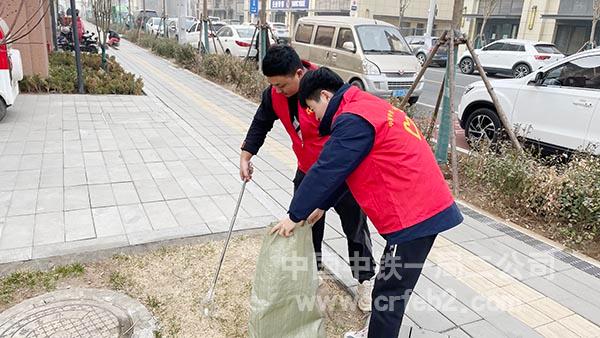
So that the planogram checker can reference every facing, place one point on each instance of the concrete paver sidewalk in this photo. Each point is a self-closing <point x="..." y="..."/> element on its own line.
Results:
<point x="86" y="172"/>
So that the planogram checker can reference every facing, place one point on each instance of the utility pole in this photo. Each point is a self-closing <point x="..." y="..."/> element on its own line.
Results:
<point x="181" y="21"/>
<point x="77" y="50"/>
<point x="431" y="17"/>
<point x="53" y="24"/>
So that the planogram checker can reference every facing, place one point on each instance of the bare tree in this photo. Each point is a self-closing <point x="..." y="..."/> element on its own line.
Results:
<point x="403" y="5"/>
<point x="102" y="15"/>
<point x="489" y="6"/>
<point x="595" y="17"/>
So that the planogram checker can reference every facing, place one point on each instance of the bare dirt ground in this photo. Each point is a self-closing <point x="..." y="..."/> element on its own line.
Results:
<point x="172" y="280"/>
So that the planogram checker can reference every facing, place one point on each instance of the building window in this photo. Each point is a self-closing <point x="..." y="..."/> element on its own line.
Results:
<point x="571" y="35"/>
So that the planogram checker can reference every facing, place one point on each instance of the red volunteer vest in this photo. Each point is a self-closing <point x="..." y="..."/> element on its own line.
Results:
<point x="399" y="183"/>
<point x="307" y="148"/>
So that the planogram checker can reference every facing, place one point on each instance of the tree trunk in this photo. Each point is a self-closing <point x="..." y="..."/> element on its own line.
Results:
<point x="481" y="36"/>
<point x="103" y="48"/>
<point x="593" y="34"/>
<point x="130" y="17"/>
<point x="401" y="16"/>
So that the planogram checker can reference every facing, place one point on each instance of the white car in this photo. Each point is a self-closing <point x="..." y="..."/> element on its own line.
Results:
<point x="281" y="32"/>
<point x="11" y="72"/>
<point x="510" y="56"/>
<point x="556" y="107"/>
<point x="235" y="40"/>
<point x="153" y="25"/>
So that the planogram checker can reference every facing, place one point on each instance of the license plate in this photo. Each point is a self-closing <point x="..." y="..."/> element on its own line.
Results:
<point x="399" y="92"/>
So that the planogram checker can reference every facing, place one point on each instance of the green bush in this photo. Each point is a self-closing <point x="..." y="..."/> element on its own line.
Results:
<point x="165" y="47"/>
<point x="553" y="191"/>
<point x="62" y="77"/>
<point x="247" y="79"/>
<point x="185" y="55"/>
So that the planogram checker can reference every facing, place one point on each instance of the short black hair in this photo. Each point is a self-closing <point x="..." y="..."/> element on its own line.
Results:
<point x="314" y="81"/>
<point x="281" y="60"/>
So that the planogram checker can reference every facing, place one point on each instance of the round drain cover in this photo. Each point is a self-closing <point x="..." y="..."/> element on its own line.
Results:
<point x="78" y="313"/>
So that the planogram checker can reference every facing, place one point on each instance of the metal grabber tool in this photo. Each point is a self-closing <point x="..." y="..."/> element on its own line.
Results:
<point x="207" y="303"/>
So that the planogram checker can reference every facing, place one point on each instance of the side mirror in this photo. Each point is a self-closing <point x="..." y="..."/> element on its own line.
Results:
<point x="538" y="80"/>
<point x="349" y="46"/>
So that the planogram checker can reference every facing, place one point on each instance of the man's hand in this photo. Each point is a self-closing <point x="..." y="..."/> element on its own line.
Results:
<point x="285" y="227"/>
<point x="246" y="168"/>
<point x="315" y="216"/>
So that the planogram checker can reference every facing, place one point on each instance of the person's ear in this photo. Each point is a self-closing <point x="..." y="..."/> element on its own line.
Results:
<point x="300" y="73"/>
<point x="327" y="94"/>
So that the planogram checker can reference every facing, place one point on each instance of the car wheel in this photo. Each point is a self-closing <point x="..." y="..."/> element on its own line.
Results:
<point x="422" y="58"/>
<point x="467" y="66"/>
<point x="2" y="109"/>
<point x="521" y="70"/>
<point x="359" y="84"/>
<point x="228" y="52"/>
<point x="483" y="126"/>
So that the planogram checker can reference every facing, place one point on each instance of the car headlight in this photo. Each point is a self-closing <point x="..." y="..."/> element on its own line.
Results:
<point x="468" y="89"/>
<point x="370" y="68"/>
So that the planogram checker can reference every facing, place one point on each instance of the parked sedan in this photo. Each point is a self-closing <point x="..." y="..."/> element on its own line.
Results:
<point x="422" y="47"/>
<point x="235" y="40"/>
<point x="152" y="25"/>
<point x="556" y="107"/>
<point x="281" y="32"/>
<point x="512" y="57"/>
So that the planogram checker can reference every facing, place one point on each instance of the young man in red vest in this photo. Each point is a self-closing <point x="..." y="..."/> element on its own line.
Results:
<point x="388" y="166"/>
<point x="284" y="69"/>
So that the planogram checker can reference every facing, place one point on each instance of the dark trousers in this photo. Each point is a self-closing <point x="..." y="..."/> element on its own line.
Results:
<point x="400" y="269"/>
<point x="354" y="225"/>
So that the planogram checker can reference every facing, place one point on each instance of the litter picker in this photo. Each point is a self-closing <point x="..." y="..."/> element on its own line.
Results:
<point x="208" y="301"/>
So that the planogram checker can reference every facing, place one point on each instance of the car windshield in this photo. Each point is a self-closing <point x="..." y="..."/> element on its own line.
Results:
<point x="217" y="26"/>
<point x="378" y="39"/>
<point x="548" y="49"/>
<point x="189" y="24"/>
<point x="245" y="33"/>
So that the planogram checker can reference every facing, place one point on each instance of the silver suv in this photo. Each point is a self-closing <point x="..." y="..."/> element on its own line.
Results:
<point x="422" y="46"/>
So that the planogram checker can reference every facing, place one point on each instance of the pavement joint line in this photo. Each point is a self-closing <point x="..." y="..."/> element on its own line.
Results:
<point x="230" y="120"/>
<point x="525" y="236"/>
<point x="190" y="125"/>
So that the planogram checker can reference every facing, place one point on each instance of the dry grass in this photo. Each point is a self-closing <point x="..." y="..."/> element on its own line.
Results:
<point x="171" y="282"/>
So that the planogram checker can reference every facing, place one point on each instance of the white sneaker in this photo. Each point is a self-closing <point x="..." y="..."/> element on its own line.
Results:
<point x="364" y="295"/>
<point x="364" y="333"/>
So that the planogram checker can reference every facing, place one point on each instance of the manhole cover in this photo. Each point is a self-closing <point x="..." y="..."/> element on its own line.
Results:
<point x="78" y="313"/>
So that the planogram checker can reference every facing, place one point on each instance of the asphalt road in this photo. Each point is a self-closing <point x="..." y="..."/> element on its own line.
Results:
<point x="433" y="80"/>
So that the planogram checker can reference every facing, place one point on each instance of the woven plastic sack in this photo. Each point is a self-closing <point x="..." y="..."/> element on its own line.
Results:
<point x="284" y="302"/>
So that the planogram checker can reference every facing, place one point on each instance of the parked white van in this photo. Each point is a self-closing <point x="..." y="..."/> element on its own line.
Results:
<point x="367" y="53"/>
